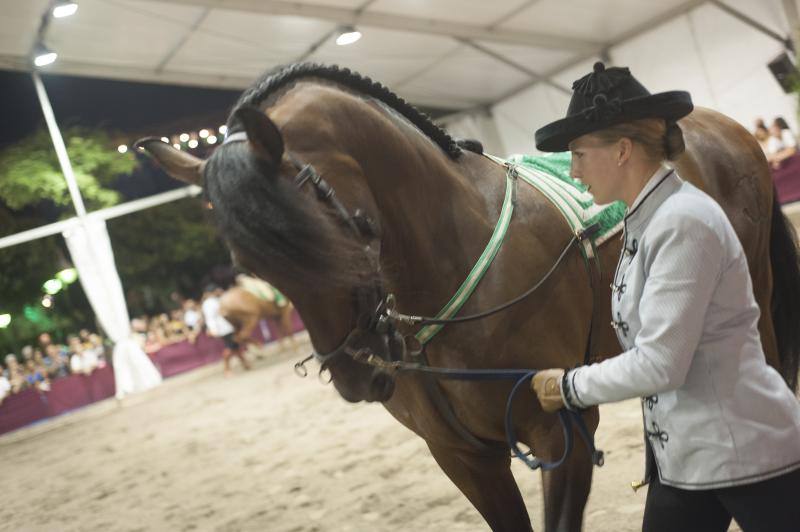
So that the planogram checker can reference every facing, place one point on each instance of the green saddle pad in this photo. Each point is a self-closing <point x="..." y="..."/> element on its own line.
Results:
<point x="550" y="175"/>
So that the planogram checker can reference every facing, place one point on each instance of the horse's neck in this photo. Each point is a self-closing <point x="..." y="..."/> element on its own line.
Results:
<point x="435" y="219"/>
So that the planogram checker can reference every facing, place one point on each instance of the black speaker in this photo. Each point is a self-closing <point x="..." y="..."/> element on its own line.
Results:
<point x="785" y="72"/>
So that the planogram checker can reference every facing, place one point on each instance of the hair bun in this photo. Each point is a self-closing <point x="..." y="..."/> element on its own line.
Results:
<point x="674" y="145"/>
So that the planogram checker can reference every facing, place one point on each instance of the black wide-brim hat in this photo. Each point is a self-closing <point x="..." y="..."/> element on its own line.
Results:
<point x="607" y="97"/>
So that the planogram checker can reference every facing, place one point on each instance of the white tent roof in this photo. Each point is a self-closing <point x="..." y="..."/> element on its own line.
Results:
<point x="451" y="54"/>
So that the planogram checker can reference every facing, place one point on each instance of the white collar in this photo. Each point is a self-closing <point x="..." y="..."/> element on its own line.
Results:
<point x="654" y="180"/>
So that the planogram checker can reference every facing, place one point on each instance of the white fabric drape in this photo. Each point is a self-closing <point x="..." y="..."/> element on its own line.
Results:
<point x="90" y="249"/>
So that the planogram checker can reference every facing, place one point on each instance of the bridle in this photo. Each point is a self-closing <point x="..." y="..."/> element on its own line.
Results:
<point x="376" y="328"/>
<point x="371" y="302"/>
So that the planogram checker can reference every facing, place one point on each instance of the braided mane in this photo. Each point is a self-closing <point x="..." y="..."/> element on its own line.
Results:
<point x="283" y="76"/>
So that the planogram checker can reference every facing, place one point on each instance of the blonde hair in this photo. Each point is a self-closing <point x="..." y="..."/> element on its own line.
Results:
<point x="661" y="140"/>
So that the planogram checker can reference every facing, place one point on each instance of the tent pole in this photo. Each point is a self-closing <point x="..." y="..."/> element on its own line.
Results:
<point x="58" y="144"/>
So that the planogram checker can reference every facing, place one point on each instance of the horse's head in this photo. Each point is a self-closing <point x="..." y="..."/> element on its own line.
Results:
<point x="281" y="224"/>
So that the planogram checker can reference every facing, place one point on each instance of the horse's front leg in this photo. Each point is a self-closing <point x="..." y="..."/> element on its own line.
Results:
<point x="244" y="334"/>
<point x="566" y="488"/>
<point x="487" y="482"/>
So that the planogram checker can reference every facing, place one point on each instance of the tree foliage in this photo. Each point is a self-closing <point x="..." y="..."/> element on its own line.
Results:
<point x="30" y="173"/>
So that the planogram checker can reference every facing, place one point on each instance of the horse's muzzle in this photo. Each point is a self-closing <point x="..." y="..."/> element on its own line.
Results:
<point x="381" y="387"/>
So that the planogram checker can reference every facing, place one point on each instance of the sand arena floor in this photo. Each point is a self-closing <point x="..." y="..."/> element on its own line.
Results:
<point x="266" y="451"/>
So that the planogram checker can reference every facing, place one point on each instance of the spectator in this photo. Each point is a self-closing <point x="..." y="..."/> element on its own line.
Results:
<point x="761" y="133"/>
<point x="44" y="341"/>
<point x="192" y="319"/>
<point x="156" y="333"/>
<point x="5" y="387"/>
<point x="27" y="354"/>
<point x="152" y="343"/>
<point x="221" y="328"/>
<point x="98" y="347"/>
<point x="36" y="377"/>
<point x="781" y="144"/>
<point x="15" y="375"/>
<point x="176" y="329"/>
<point x="56" y="361"/>
<point x="81" y="360"/>
<point x="84" y="334"/>
<point x="190" y="315"/>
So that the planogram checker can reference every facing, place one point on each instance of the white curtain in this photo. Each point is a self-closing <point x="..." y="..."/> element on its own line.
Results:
<point x="91" y="252"/>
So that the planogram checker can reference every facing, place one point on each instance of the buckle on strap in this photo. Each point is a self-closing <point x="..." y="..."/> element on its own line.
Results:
<point x="588" y="232"/>
<point x="306" y="172"/>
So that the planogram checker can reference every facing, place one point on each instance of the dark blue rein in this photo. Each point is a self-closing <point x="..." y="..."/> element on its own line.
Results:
<point x="521" y="377"/>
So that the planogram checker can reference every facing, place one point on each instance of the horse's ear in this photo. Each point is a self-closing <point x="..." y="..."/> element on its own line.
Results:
<point x="262" y="133"/>
<point x="178" y="164"/>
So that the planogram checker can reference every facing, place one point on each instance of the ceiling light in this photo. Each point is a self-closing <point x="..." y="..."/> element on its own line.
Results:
<point x="64" y="9"/>
<point x="176" y="146"/>
<point x="43" y="56"/>
<point x="203" y="133"/>
<point x="348" y="35"/>
<point x="122" y="148"/>
<point x="223" y="129"/>
<point x="184" y="137"/>
<point x="5" y="320"/>
<point x="193" y="143"/>
<point x="165" y="139"/>
<point x="212" y="139"/>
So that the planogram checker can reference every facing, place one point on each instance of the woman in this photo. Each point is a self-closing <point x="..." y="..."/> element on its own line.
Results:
<point x="761" y="133"/>
<point x="781" y="143"/>
<point x="722" y="427"/>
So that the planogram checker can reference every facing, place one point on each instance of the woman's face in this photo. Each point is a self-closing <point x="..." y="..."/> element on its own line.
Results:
<point x="596" y="165"/>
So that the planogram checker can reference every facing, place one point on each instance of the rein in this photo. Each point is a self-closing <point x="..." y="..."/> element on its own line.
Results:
<point x="520" y="376"/>
<point x="422" y="320"/>
<point x="382" y="319"/>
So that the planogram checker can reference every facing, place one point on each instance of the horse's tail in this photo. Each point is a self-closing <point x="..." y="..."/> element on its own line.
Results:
<point x="785" y="292"/>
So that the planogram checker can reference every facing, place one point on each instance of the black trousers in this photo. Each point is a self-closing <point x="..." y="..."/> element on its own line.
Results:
<point x="768" y="506"/>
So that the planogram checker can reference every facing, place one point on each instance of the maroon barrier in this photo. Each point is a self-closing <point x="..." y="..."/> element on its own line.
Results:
<point x="22" y="409"/>
<point x="101" y="385"/>
<point x="787" y="180"/>
<point x="75" y="391"/>
<point x="184" y="356"/>
<point x="66" y="393"/>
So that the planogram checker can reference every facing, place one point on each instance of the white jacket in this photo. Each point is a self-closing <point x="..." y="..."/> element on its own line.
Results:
<point x="715" y="414"/>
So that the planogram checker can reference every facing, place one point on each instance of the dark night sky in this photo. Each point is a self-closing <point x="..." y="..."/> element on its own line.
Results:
<point x="97" y="102"/>
<point x="136" y="108"/>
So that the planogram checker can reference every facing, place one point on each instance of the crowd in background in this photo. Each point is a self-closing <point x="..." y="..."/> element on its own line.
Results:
<point x="155" y="332"/>
<point x="777" y="140"/>
<point x="36" y="366"/>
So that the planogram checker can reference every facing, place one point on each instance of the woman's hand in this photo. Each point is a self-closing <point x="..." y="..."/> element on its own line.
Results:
<point x="547" y="386"/>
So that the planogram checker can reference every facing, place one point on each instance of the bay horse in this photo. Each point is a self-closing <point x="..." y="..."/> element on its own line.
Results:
<point x="244" y="310"/>
<point x="425" y="209"/>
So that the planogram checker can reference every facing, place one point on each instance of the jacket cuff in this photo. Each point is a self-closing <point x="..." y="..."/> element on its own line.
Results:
<point x="568" y="393"/>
